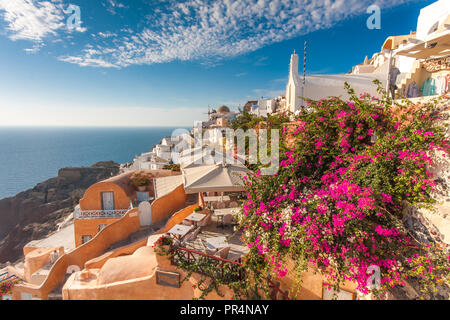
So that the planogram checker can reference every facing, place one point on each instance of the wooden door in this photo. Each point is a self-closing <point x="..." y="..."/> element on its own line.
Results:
<point x="108" y="200"/>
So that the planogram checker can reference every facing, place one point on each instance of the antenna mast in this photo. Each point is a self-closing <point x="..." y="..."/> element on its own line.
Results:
<point x="304" y="64"/>
<point x="304" y="74"/>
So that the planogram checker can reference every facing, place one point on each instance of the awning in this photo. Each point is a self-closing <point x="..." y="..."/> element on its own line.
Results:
<point x="214" y="178"/>
<point x="437" y="46"/>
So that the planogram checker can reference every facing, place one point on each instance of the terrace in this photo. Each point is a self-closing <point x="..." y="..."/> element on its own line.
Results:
<point x="208" y="235"/>
<point x="193" y="251"/>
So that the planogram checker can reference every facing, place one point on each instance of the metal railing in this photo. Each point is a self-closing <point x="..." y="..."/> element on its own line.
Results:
<point x="222" y="266"/>
<point x="95" y="214"/>
<point x="276" y="291"/>
<point x="6" y="276"/>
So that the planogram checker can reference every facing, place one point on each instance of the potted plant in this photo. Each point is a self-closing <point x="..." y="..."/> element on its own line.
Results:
<point x="141" y="180"/>
<point x="6" y="287"/>
<point x="163" y="245"/>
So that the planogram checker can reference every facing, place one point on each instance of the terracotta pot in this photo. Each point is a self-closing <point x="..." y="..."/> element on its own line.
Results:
<point x="142" y="188"/>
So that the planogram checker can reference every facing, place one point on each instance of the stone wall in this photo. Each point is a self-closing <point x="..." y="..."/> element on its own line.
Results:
<point x="434" y="225"/>
<point x="431" y="225"/>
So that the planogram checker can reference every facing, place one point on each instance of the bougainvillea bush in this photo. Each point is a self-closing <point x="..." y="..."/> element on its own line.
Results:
<point x="336" y="202"/>
<point x="6" y="287"/>
<point x="140" y="179"/>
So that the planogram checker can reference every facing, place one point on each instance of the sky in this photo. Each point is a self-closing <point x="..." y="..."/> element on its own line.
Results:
<point x="162" y="63"/>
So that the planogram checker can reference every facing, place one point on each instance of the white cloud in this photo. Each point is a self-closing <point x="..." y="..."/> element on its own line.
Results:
<point x="268" y="93"/>
<point x="206" y="31"/>
<point x="213" y="30"/>
<point x="86" y="61"/>
<point x="36" y="47"/>
<point x="34" y="20"/>
<point x="112" y="5"/>
<point x="107" y="34"/>
<point x="31" y="20"/>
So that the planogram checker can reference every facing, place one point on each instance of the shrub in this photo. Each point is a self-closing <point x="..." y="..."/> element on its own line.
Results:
<point x="338" y="198"/>
<point x="6" y="286"/>
<point x="140" y="179"/>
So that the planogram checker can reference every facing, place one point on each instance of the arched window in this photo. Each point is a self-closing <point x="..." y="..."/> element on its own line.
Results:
<point x="434" y="28"/>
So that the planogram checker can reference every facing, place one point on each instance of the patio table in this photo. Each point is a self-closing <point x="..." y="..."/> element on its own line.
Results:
<point x="219" y="213"/>
<point x="179" y="230"/>
<point x="195" y="217"/>
<point x="217" y="242"/>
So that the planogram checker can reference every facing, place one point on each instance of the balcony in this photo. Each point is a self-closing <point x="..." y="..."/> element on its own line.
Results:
<point x="190" y="253"/>
<point x="97" y="214"/>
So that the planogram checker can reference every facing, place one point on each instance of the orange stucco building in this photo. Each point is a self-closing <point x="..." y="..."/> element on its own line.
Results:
<point x="108" y="200"/>
<point x="94" y="270"/>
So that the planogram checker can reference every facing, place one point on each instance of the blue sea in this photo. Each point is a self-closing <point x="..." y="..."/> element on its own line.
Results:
<point x="31" y="155"/>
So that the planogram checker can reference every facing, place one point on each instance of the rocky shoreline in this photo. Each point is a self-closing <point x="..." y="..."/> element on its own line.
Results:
<point x="35" y="213"/>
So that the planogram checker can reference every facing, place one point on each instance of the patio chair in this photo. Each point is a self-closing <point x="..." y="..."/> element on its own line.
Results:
<point x="233" y="204"/>
<point x="205" y="221"/>
<point x="214" y="205"/>
<point x="223" y="253"/>
<point x="193" y="235"/>
<point x="227" y="219"/>
<point x="208" y="251"/>
<point x="221" y="205"/>
<point x="187" y="223"/>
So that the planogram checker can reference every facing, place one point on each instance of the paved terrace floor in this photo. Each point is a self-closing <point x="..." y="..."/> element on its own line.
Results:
<point x="64" y="237"/>
<point x="237" y="249"/>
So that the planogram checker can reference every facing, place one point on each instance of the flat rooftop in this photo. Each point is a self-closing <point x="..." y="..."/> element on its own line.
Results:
<point x="62" y="238"/>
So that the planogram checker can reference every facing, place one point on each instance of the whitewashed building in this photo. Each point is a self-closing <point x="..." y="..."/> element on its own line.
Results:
<point x="148" y="161"/>
<point x="415" y="58"/>
<point x="317" y="87"/>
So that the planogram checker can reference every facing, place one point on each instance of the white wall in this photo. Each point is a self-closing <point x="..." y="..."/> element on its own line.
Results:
<point x="267" y="104"/>
<point x="435" y="12"/>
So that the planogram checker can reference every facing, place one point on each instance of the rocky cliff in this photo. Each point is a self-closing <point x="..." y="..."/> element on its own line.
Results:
<point x="33" y="214"/>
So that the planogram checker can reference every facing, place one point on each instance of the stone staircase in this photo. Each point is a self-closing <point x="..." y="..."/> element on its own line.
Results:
<point x="144" y="232"/>
<point x="405" y="80"/>
<point x="56" y="294"/>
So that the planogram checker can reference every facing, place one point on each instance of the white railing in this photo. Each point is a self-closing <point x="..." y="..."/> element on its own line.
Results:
<point x="95" y="214"/>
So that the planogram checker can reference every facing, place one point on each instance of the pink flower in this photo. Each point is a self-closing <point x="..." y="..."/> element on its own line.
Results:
<point x="386" y="197"/>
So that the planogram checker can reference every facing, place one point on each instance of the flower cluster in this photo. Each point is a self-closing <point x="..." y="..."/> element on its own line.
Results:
<point x="140" y="179"/>
<point x="6" y="287"/>
<point x="336" y="203"/>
